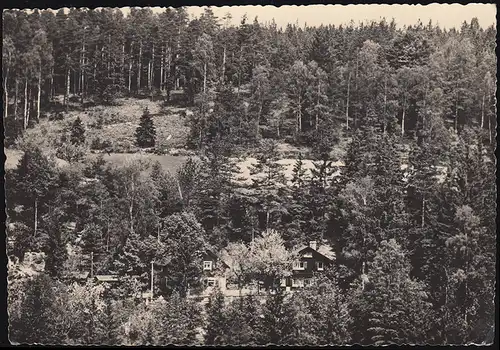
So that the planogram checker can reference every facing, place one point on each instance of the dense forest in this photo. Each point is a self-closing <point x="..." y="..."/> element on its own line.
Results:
<point x="411" y="215"/>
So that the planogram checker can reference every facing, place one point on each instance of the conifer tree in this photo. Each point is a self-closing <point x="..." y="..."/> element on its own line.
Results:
<point x="57" y="254"/>
<point x="77" y="132"/>
<point x="216" y="326"/>
<point x="277" y="323"/>
<point x="396" y="309"/>
<point x="39" y="313"/>
<point x="145" y="133"/>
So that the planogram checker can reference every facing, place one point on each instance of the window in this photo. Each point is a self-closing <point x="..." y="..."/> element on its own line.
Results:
<point x="295" y="282"/>
<point x="207" y="265"/>
<point x="319" y="266"/>
<point x="307" y="282"/>
<point x="211" y="282"/>
<point x="300" y="265"/>
<point x="308" y="255"/>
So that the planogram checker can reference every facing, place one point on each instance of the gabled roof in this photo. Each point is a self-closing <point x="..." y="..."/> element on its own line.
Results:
<point x="216" y="256"/>
<point x="323" y="250"/>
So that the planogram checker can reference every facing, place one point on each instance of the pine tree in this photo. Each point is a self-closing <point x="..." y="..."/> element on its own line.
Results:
<point x="216" y="326"/>
<point x="185" y="242"/>
<point x="277" y="321"/>
<point x="56" y="246"/>
<point x="39" y="313"/>
<point x="396" y="306"/>
<point x="145" y="133"/>
<point x="34" y="180"/>
<point x="77" y="132"/>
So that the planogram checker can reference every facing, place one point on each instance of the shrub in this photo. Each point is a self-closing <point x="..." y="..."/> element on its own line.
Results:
<point x="70" y="153"/>
<point x="57" y="116"/>
<point x="77" y="132"/>
<point x="96" y="144"/>
<point x="111" y="93"/>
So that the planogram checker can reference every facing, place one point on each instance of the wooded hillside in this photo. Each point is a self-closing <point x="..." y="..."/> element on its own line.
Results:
<point x="409" y="111"/>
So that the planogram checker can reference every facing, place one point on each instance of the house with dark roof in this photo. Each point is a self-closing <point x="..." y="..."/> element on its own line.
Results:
<point x="311" y="260"/>
<point x="214" y="272"/>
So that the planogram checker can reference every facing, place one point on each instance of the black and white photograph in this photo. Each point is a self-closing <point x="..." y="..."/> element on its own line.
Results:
<point x="319" y="175"/>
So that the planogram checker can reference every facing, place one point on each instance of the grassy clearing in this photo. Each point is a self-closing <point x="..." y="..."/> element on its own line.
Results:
<point x="119" y="125"/>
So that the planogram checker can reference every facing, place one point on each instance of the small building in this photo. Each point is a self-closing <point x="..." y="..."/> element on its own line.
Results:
<point x="311" y="260"/>
<point x="79" y="277"/>
<point x="214" y="275"/>
<point x="214" y="271"/>
<point x="106" y="278"/>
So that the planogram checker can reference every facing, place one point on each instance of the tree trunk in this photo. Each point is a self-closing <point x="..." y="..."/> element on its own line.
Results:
<point x="356" y="74"/>
<point x="162" y="63"/>
<point x="107" y="237"/>
<point x="6" y="102"/>
<point x="152" y="68"/>
<point x="239" y="69"/>
<point x="267" y="219"/>
<point x="66" y="94"/>
<point x="169" y="73"/>
<point x="489" y="127"/>
<point x="456" y="114"/>
<point x="205" y="77"/>
<point x="317" y="105"/>
<point x="39" y="88"/>
<point x="363" y="268"/>
<point x="80" y="71"/>
<point x="424" y="107"/>
<point x="25" y="110"/>
<point x="131" y="216"/>
<point x="385" y="104"/>
<point x="257" y="122"/>
<point x="139" y="67"/>
<point x="75" y="83"/>
<point x="52" y="87"/>
<point x="108" y="56"/>
<point x="82" y="74"/>
<point x="149" y="75"/>
<point x="36" y="217"/>
<point x="347" y="101"/>
<point x="299" y="117"/>
<point x="16" y="93"/>
<point x="130" y="68"/>
<point x="223" y="64"/>
<point x="482" y="113"/>
<point x="122" y="68"/>
<point x="403" y="117"/>
<point x="423" y="210"/>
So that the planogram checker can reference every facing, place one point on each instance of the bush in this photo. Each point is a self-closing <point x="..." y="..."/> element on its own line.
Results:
<point x="96" y="144"/>
<point x="100" y="145"/>
<point x="106" y="144"/>
<point x="99" y="123"/>
<point x="57" y="116"/>
<point x="111" y="93"/>
<point x="77" y="132"/>
<point x="70" y="153"/>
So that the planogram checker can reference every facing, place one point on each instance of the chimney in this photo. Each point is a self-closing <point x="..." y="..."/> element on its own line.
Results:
<point x="313" y="245"/>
